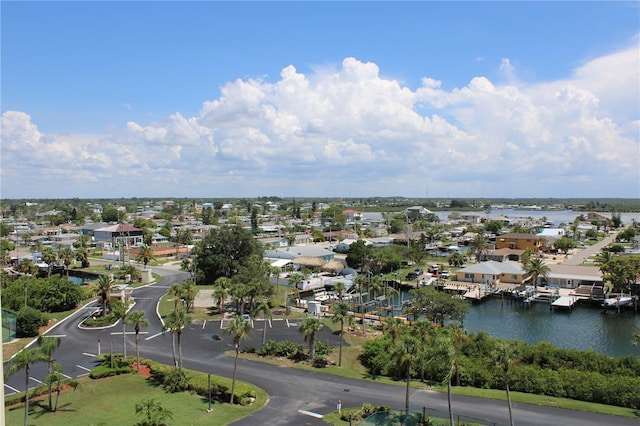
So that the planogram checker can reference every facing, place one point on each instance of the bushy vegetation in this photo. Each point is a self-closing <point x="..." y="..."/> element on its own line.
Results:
<point x="294" y="351"/>
<point x="53" y="294"/>
<point x="540" y="369"/>
<point x="28" y="321"/>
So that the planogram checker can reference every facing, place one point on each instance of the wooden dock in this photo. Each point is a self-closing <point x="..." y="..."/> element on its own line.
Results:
<point x="565" y="302"/>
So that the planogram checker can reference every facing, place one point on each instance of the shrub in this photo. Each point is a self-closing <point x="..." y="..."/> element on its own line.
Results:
<point x="28" y="321"/>
<point x="320" y="362"/>
<point x="323" y="347"/>
<point x="176" y="381"/>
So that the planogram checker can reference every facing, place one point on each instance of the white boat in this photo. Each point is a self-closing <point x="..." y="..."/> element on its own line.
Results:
<point x="614" y="302"/>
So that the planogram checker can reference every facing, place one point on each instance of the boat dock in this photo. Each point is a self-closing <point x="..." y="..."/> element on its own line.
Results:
<point x="565" y="302"/>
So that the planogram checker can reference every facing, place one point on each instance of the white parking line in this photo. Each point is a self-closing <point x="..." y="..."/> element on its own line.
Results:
<point x="13" y="389"/>
<point x="311" y="413"/>
<point x="83" y="368"/>
<point x="88" y="354"/>
<point x="34" y="379"/>
<point x="56" y="335"/>
<point x="128" y="332"/>
<point x="155" y="335"/>
<point x="204" y="323"/>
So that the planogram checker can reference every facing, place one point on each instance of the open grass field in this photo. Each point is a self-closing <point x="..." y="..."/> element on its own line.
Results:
<point x="112" y="401"/>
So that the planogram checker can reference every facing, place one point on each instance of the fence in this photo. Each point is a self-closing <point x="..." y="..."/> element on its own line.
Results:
<point x="8" y="326"/>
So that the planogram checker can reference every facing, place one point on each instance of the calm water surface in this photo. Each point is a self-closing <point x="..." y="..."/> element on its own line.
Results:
<point x="581" y="328"/>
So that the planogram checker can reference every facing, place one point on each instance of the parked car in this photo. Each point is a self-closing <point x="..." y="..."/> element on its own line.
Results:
<point x="445" y="274"/>
<point x="414" y="274"/>
<point x="434" y="269"/>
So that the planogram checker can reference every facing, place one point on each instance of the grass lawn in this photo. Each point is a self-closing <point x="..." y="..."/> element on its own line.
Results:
<point x="112" y="401"/>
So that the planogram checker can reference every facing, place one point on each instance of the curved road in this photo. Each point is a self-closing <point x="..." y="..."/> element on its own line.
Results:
<point x="297" y="397"/>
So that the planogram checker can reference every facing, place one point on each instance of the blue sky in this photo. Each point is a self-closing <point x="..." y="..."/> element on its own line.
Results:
<point x="240" y="99"/>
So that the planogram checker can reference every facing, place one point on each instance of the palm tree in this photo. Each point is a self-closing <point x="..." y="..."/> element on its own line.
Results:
<point x="456" y="259"/>
<point x="405" y="353"/>
<point x="423" y="329"/>
<point x="603" y="258"/>
<point x="119" y="312"/>
<point x="57" y="378"/>
<point x="239" y="329"/>
<point x="536" y="268"/>
<point x="459" y="336"/>
<point x="145" y="255"/>
<point x="138" y="320"/>
<point x="48" y="346"/>
<point x="295" y="280"/>
<point x="24" y="360"/>
<point x="376" y="286"/>
<point x="82" y="256"/>
<point x="394" y="328"/>
<point x="104" y="284"/>
<point x="177" y="292"/>
<point x="310" y="326"/>
<point x="67" y="256"/>
<point x="360" y="283"/>
<point x="342" y="315"/>
<point x="479" y="246"/>
<point x="506" y="359"/>
<point x="263" y="306"/>
<point x="189" y="293"/>
<point x="339" y="288"/>
<point x="48" y="257"/>
<point x="175" y="322"/>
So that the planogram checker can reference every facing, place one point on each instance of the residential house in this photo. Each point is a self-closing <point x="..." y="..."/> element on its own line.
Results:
<point x="492" y="273"/>
<point x="519" y="241"/>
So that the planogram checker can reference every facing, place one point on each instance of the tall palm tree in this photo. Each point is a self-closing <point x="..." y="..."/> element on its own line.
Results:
<point x="360" y="282"/>
<point x="311" y="326"/>
<point x="145" y="255"/>
<point x="342" y="315"/>
<point x="58" y="379"/>
<point x="424" y="330"/>
<point x="104" y="284"/>
<point x="239" y="329"/>
<point x="537" y="268"/>
<point x="119" y="312"/>
<point x="406" y="353"/>
<point x="295" y="280"/>
<point x="176" y="291"/>
<point x="175" y="322"/>
<point x="48" y="346"/>
<point x="479" y="246"/>
<point x="24" y="360"/>
<point x="263" y="306"/>
<point x="189" y="293"/>
<point x="458" y="337"/>
<point x="506" y="359"/>
<point x="49" y="257"/>
<point x="67" y="256"/>
<point x="138" y="320"/>
<point x="376" y="286"/>
<point x="219" y="294"/>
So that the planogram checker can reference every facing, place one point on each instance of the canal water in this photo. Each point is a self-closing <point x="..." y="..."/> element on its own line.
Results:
<point x="582" y="328"/>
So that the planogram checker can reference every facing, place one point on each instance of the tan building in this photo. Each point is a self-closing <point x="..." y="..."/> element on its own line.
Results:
<point x="519" y="241"/>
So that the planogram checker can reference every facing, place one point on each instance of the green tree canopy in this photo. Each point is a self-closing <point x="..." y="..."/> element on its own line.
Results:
<point x="223" y="252"/>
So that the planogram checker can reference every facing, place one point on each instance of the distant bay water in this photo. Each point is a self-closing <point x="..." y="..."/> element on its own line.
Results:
<point x="554" y="216"/>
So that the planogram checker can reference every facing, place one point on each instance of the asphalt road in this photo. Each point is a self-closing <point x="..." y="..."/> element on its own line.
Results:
<point x="297" y="397"/>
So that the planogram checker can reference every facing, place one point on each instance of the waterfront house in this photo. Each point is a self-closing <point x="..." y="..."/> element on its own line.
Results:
<point x="571" y="276"/>
<point x="492" y="273"/>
